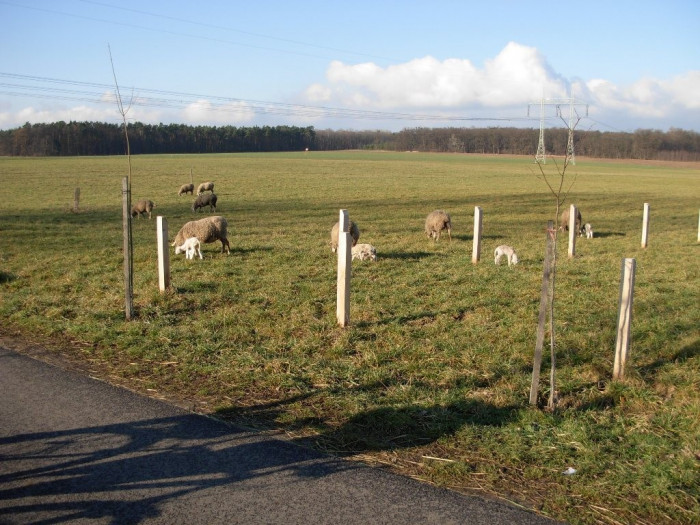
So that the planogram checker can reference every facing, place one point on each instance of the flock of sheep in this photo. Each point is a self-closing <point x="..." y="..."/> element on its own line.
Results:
<point x="211" y="229"/>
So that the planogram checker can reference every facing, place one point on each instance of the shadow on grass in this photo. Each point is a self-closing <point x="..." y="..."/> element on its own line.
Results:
<point x="603" y="235"/>
<point x="687" y="352"/>
<point x="471" y="237"/>
<point x="405" y="255"/>
<point x="383" y="428"/>
<point x="6" y="277"/>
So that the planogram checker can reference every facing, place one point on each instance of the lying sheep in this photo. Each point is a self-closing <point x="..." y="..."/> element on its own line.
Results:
<point x="354" y="233"/>
<point x="364" y="252"/>
<point x="206" y="199"/>
<point x="142" y="207"/>
<point x="437" y="221"/>
<point x="191" y="247"/>
<point x="186" y="188"/>
<point x="205" y="186"/>
<point x="207" y="230"/>
<point x="564" y="221"/>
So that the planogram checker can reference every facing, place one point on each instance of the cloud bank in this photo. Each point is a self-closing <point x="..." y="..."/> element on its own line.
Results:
<point x="456" y="88"/>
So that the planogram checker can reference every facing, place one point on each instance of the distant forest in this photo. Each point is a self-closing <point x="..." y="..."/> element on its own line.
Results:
<point x="96" y="138"/>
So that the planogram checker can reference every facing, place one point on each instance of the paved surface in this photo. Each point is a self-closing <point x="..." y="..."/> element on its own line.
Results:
<point x="73" y="449"/>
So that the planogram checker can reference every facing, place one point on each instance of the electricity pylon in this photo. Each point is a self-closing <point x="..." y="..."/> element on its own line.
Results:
<point x="541" y="156"/>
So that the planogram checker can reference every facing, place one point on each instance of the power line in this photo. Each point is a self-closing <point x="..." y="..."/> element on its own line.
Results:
<point x="98" y="93"/>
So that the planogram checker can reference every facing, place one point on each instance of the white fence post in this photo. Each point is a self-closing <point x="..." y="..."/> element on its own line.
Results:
<point x="624" y="318"/>
<point x="573" y="213"/>
<point x="163" y="253"/>
<point x="476" y="250"/>
<point x="344" y="269"/>
<point x="645" y="226"/>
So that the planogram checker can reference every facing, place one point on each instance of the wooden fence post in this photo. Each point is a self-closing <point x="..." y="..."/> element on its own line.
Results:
<point x="544" y="303"/>
<point x="476" y="250"/>
<point x="128" y="250"/>
<point x="344" y="269"/>
<point x="624" y="317"/>
<point x="698" y="227"/>
<point x="163" y="253"/>
<point x="573" y="213"/>
<point x="76" y="200"/>
<point x="645" y="226"/>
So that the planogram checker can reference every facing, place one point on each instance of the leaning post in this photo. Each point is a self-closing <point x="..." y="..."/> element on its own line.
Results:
<point x="344" y="269"/>
<point x="163" y="253"/>
<point x="573" y="213"/>
<point x="544" y="304"/>
<point x="624" y="318"/>
<point x="476" y="250"/>
<point x="645" y="226"/>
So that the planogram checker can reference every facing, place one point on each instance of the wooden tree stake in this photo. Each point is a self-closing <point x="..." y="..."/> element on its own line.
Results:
<point x="544" y="307"/>
<point x="645" y="226"/>
<point x="344" y="269"/>
<point x="573" y="213"/>
<point x="76" y="200"/>
<point x="128" y="260"/>
<point x="624" y="317"/>
<point x="476" y="250"/>
<point x="163" y="254"/>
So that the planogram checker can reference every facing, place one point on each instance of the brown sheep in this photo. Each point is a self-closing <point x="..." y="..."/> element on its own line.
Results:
<point x="435" y="222"/>
<point x="142" y="207"/>
<point x="564" y="221"/>
<point x="207" y="230"/>
<point x="186" y="188"/>
<point x="354" y="233"/>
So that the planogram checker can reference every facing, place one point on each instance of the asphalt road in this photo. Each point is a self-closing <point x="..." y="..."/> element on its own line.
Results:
<point x="77" y="450"/>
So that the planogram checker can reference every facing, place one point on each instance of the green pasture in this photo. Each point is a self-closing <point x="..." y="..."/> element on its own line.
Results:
<point x="432" y="376"/>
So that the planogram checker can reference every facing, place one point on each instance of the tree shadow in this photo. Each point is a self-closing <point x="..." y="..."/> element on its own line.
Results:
<point x="406" y="255"/>
<point x="689" y="351"/>
<point x="604" y="235"/>
<point x="130" y="472"/>
<point x="6" y="277"/>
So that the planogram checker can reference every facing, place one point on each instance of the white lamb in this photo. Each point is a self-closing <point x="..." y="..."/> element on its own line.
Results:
<point x="506" y="251"/>
<point x="364" y="252"/>
<point x="589" y="230"/>
<point x="191" y="246"/>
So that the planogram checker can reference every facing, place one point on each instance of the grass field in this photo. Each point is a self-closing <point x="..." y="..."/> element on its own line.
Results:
<point x="432" y="376"/>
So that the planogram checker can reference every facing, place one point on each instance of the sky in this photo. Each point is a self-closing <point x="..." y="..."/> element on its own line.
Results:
<point x="614" y="65"/>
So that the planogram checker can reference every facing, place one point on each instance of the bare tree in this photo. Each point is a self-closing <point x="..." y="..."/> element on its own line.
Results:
<point x="560" y="187"/>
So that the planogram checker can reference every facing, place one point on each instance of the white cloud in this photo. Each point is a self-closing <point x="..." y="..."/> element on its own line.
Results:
<point x="516" y="76"/>
<point x="204" y="111"/>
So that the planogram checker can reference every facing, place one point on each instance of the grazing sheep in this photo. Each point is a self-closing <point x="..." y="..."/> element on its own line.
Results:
<point x="354" y="233"/>
<point x="589" y="230"/>
<point x="205" y="186"/>
<point x="142" y="207"/>
<point x="206" y="199"/>
<point x="437" y="221"/>
<point x="191" y="246"/>
<point x="186" y="188"/>
<point x="207" y="230"/>
<point x="364" y="252"/>
<point x="508" y="252"/>
<point x="564" y="221"/>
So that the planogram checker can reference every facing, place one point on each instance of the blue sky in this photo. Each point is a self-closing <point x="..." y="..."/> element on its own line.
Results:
<point x="352" y="65"/>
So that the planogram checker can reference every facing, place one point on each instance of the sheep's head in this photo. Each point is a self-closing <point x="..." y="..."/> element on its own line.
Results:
<point x="179" y="250"/>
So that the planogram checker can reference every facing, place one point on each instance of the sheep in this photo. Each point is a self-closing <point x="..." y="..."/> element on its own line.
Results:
<point x="437" y="221"/>
<point x="206" y="199"/>
<point x="191" y="247"/>
<point x="207" y="230"/>
<point x="564" y="221"/>
<point x="589" y="230"/>
<point x="354" y="233"/>
<point x="142" y="207"/>
<point x="364" y="252"/>
<point x="508" y="252"/>
<point x="186" y="188"/>
<point x="205" y="186"/>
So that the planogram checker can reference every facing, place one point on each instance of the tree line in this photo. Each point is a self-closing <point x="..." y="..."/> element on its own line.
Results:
<point x="97" y="138"/>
